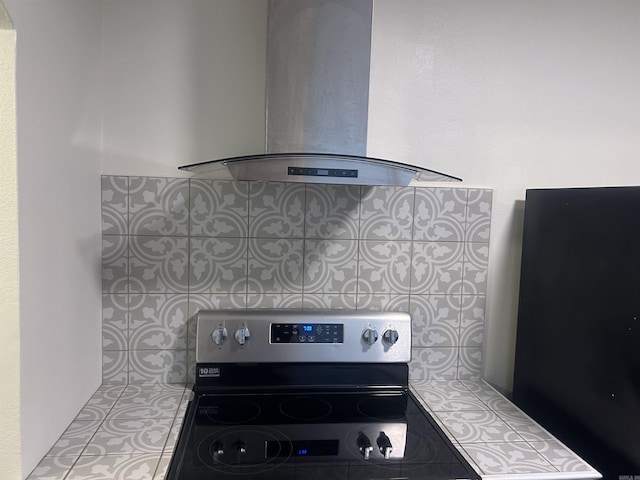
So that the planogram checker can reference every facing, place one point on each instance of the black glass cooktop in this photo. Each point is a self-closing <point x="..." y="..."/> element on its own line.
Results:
<point x="309" y="435"/>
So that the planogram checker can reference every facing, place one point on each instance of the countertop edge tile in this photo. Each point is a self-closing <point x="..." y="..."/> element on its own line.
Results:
<point x="494" y="398"/>
<point x="542" y="476"/>
<point x="498" y="399"/>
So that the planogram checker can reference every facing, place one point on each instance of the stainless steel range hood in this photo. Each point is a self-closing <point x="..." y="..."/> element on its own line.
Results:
<point x="318" y="54"/>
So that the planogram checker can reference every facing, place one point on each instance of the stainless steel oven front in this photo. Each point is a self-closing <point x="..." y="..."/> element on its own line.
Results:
<point x="308" y="394"/>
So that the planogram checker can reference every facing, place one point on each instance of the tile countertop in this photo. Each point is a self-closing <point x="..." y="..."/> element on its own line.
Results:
<point x="498" y="439"/>
<point x="123" y="432"/>
<point x="130" y="432"/>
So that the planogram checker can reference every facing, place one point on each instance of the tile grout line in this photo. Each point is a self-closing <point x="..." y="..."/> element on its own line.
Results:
<point x="101" y="422"/>
<point x="496" y="412"/>
<point x="504" y="441"/>
<point x="164" y="451"/>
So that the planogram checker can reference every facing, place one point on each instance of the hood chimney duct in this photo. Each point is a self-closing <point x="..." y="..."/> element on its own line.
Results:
<point x="318" y="55"/>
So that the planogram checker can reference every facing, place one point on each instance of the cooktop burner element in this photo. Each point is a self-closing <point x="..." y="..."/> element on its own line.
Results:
<point x="383" y="407"/>
<point x="271" y="409"/>
<point x="230" y="451"/>
<point x="305" y="408"/>
<point x="228" y="411"/>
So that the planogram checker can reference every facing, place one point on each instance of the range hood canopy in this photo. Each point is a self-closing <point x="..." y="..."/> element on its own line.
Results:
<point x="318" y="54"/>
<point x="318" y="168"/>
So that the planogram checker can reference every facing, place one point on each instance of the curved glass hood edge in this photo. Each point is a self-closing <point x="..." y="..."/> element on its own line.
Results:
<point x="318" y="168"/>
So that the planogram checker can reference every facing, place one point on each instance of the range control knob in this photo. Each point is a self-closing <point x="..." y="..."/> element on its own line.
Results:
<point x="240" y="447"/>
<point x="390" y="336"/>
<point x="242" y="335"/>
<point x="218" y="448"/>
<point x="384" y="444"/>
<point x="370" y="335"/>
<point x="364" y="445"/>
<point x="219" y="335"/>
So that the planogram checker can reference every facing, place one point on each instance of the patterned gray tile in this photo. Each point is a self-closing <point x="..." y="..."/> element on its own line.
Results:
<point x="52" y="468"/>
<point x="274" y="300"/>
<point x="158" y="321"/>
<point x="100" y="403"/>
<point x="237" y="245"/>
<point x="163" y="467"/>
<point x="470" y="362"/>
<point x="115" y="251"/>
<point x="219" y="208"/>
<point x="386" y="213"/>
<point x="508" y="458"/>
<point x="157" y="366"/>
<point x="438" y="363"/>
<point x="476" y="265"/>
<point x="74" y="438"/>
<point x="449" y="397"/>
<point x="115" y="205"/>
<point x="218" y="265"/>
<point x="435" y="320"/>
<point x="187" y="395"/>
<point x="148" y="404"/>
<point x="216" y="301"/>
<point x="115" y="333"/>
<point x="380" y="301"/>
<point x="276" y="210"/>
<point x="138" y="466"/>
<point x="158" y="264"/>
<point x="127" y="436"/>
<point x="463" y="452"/>
<point x="275" y="265"/>
<point x="191" y="365"/>
<point x="472" y="321"/>
<point x="477" y="426"/>
<point x="115" y="366"/>
<point x="478" y="221"/>
<point x="440" y="214"/>
<point x="174" y="433"/>
<point x="437" y="268"/>
<point x="500" y="404"/>
<point x="526" y="428"/>
<point x="158" y="206"/>
<point x="135" y="390"/>
<point x="330" y="266"/>
<point x="384" y="267"/>
<point x="332" y="211"/>
<point x="561" y="457"/>
<point x="454" y="388"/>
<point x="95" y="411"/>
<point x="331" y="301"/>
<point x="107" y="393"/>
<point x="483" y="391"/>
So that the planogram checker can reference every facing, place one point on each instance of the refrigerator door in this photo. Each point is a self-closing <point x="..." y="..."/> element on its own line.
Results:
<point x="577" y="369"/>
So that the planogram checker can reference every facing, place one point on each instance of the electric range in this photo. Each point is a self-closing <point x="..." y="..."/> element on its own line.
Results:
<point x="302" y="395"/>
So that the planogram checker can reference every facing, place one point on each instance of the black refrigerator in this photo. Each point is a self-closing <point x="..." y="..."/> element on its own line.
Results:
<point x="577" y="365"/>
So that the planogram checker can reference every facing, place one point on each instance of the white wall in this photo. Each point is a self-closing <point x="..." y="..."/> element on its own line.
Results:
<point x="59" y="100"/>
<point x="512" y="95"/>
<point x="505" y="94"/>
<point x="9" y="267"/>
<point x="184" y="83"/>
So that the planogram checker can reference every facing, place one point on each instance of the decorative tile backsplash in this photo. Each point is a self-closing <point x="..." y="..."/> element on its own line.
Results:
<point x="172" y="246"/>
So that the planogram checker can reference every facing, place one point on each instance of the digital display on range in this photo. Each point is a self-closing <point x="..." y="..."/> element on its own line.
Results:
<point x="307" y="333"/>
<point x="301" y="448"/>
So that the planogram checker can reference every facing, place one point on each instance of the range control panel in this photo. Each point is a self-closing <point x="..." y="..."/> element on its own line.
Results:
<point x="307" y="333"/>
<point x="235" y="336"/>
